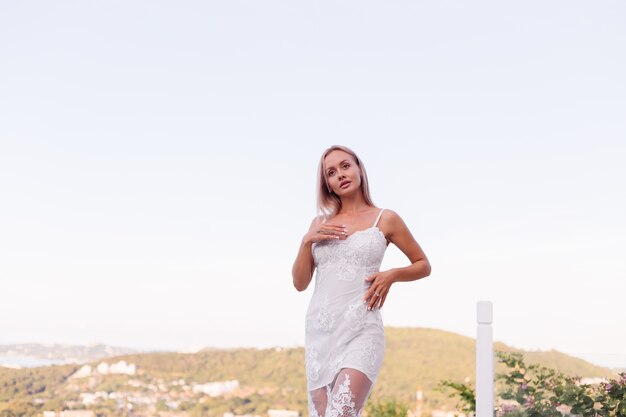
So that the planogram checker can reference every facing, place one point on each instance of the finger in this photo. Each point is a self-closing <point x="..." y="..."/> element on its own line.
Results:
<point x="368" y="293"/>
<point x="327" y="237"/>
<point x="333" y="232"/>
<point x="333" y="227"/>
<point x="333" y="235"/>
<point x="322" y="234"/>
<point x="382" y="301"/>
<point x="371" y="278"/>
<point x="368" y="298"/>
<point x="373" y="300"/>
<point x="327" y="230"/>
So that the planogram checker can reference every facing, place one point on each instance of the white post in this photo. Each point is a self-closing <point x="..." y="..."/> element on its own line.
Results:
<point x="484" y="359"/>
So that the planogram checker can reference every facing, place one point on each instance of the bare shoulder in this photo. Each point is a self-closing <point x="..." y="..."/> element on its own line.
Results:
<point x="391" y="223"/>
<point x="390" y="217"/>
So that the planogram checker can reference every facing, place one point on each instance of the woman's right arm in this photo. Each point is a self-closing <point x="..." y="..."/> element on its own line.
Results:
<point x="304" y="265"/>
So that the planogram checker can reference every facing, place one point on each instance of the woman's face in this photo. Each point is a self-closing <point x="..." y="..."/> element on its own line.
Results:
<point x="342" y="173"/>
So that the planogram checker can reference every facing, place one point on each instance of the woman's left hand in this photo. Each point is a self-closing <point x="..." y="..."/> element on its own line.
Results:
<point x="377" y="293"/>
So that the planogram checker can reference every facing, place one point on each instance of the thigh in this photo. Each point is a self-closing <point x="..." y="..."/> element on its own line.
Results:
<point x="349" y="393"/>
<point x="318" y="401"/>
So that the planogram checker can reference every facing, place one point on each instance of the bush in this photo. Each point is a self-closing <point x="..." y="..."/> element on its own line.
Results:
<point x="387" y="409"/>
<point x="538" y="391"/>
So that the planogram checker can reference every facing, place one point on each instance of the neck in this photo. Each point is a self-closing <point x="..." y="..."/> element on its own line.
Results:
<point x="353" y="204"/>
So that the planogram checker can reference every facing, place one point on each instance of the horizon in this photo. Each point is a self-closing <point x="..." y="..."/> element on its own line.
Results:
<point x="611" y="363"/>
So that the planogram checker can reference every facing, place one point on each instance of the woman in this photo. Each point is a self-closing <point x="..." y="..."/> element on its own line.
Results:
<point x="345" y="338"/>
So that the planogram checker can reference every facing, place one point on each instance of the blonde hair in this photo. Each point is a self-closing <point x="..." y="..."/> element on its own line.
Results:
<point x="329" y="203"/>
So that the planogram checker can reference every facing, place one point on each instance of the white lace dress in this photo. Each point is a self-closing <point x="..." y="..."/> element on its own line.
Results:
<point x="340" y="331"/>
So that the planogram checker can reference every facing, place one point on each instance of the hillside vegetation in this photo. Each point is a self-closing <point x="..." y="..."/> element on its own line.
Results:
<point x="275" y="378"/>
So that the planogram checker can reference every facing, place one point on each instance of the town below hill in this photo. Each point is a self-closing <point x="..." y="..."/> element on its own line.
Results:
<point x="254" y="382"/>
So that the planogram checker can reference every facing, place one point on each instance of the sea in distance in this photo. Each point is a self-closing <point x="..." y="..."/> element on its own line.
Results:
<point x="26" y="362"/>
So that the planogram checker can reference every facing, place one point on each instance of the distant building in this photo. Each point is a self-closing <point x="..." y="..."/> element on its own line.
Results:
<point x="444" y="413"/>
<point x="227" y="414"/>
<point x="122" y="367"/>
<point x="88" y="398"/>
<point x="83" y="372"/>
<point x="135" y="383"/>
<point x="215" y="389"/>
<point x="69" y="413"/>
<point x="282" y="413"/>
<point x="103" y="368"/>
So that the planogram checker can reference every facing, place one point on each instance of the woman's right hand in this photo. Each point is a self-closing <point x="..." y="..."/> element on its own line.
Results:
<point x="304" y="265"/>
<point x="326" y="231"/>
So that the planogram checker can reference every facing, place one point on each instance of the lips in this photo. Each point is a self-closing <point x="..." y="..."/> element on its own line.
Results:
<point x="344" y="184"/>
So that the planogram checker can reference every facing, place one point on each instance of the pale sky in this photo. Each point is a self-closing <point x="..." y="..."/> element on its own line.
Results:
<point x="157" y="165"/>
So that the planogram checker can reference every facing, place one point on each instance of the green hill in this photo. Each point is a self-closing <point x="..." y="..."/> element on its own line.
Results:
<point x="275" y="378"/>
<point x="419" y="356"/>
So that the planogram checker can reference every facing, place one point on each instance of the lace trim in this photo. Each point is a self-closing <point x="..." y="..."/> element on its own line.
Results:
<point x="355" y="316"/>
<point x="342" y="404"/>
<point x="313" y="366"/>
<point x="325" y="319"/>
<point x="336" y="361"/>
<point x="363" y="250"/>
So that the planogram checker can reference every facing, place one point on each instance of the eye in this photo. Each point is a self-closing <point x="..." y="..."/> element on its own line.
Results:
<point x="331" y="173"/>
<point x="346" y="166"/>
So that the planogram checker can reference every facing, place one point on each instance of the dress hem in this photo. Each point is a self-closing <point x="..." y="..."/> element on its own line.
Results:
<point x="356" y="368"/>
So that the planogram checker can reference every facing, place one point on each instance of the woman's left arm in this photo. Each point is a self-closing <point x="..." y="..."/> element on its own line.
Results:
<point x="399" y="234"/>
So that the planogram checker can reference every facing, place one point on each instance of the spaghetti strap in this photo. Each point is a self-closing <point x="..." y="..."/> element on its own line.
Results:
<point x="378" y="218"/>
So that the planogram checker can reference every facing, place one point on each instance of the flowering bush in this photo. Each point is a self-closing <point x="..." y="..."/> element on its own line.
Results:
<point x="538" y="391"/>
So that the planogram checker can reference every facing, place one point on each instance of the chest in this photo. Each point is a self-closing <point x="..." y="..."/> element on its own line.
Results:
<point x="365" y="247"/>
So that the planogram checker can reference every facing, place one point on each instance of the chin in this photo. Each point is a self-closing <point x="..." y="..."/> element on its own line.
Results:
<point x="347" y="191"/>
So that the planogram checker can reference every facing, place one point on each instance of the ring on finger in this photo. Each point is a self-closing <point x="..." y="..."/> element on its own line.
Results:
<point x="377" y="294"/>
